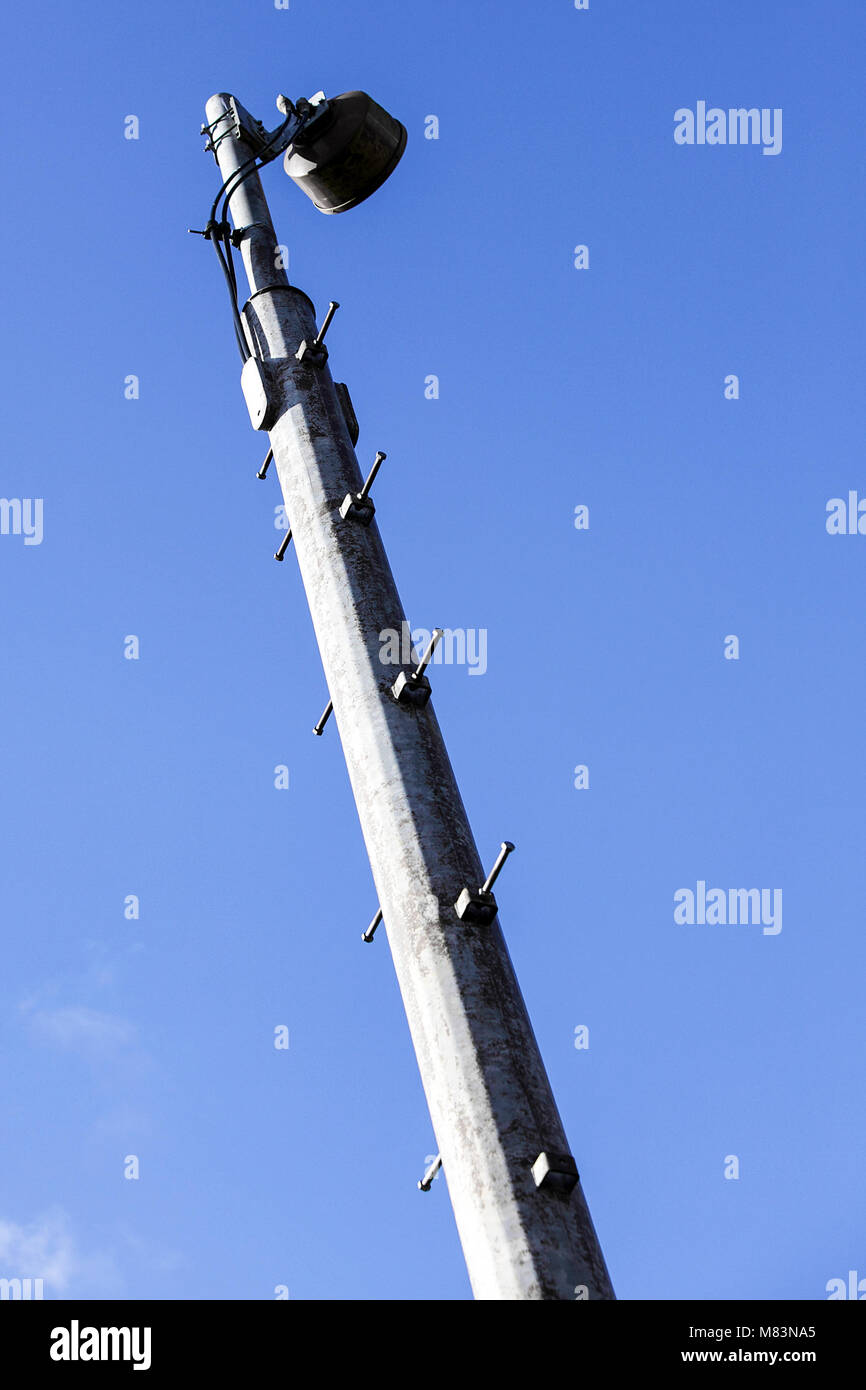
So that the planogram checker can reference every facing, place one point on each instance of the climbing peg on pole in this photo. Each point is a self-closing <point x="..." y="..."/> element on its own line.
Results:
<point x="413" y="687"/>
<point x="371" y="930"/>
<point x="316" y="350"/>
<point x="284" y="545"/>
<point x="360" y="507"/>
<point x="427" y="1181"/>
<point x="328" y="711"/>
<point x="479" y="908"/>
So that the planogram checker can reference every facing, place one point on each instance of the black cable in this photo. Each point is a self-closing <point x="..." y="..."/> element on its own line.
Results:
<point x="225" y="257"/>
<point x="219" y="231"/>
<point x="249" y="166"/>
<point x="233" y="296"/>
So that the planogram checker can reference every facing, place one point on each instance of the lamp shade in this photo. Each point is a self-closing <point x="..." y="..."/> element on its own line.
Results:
<point x="346" y="153"/>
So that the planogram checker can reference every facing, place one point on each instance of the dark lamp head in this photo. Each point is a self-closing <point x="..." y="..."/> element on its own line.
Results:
<point x="346" y="153"/>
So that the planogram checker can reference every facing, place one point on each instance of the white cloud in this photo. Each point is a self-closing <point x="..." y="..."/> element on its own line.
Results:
<point x="82" y="1030"/>
<point x="47" y="1250"/>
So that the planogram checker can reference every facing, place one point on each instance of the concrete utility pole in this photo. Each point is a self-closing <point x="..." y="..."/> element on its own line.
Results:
<point x="520" y="1211"/>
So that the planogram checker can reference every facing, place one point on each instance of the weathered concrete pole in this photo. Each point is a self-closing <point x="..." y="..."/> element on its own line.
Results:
<point x="520" y="1210"/>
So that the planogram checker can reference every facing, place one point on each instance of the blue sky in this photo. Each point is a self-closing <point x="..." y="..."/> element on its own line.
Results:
<point x="559" y="387"/>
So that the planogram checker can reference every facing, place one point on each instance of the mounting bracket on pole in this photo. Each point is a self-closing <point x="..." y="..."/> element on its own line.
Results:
<point x="360" y="507"/>
<point x="238" y="123"/>
<point x="479" y="908"/>
<point x="555" y="1171"/>
<point x="244" y="126"/>
<point x="262" y="402"/>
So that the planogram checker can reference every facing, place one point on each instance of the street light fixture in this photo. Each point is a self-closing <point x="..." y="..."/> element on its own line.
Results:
<point x="345" y="152"/>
